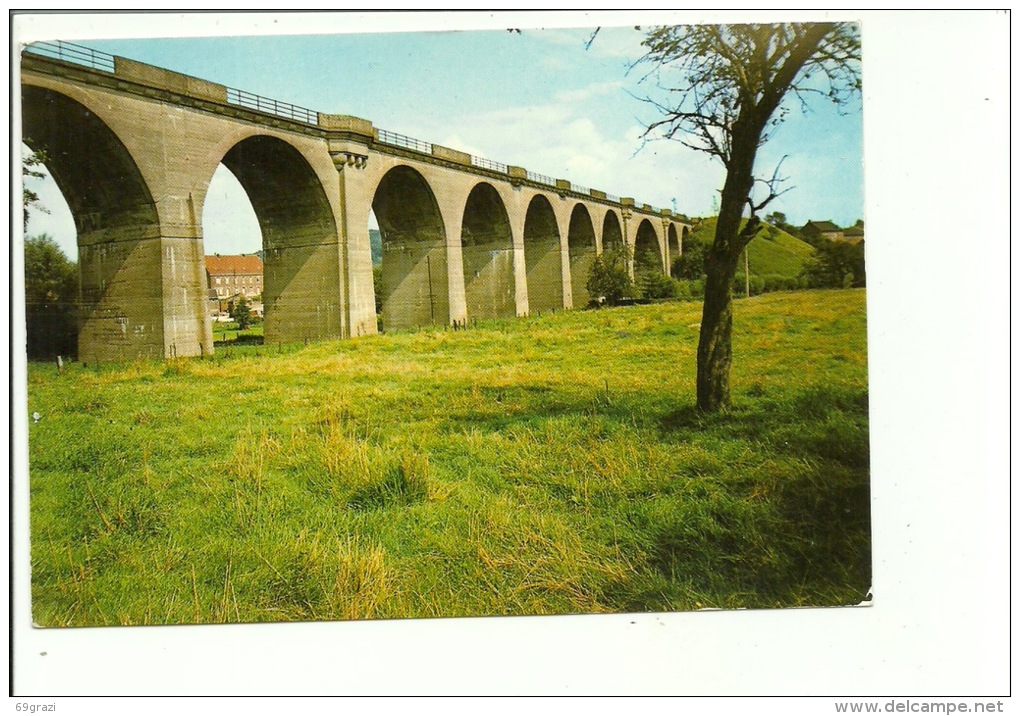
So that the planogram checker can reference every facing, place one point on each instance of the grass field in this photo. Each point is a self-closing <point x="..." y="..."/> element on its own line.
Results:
<point x="776" y="255"/>
<point x="224" y="333"/>
<point x="540" y="466"/>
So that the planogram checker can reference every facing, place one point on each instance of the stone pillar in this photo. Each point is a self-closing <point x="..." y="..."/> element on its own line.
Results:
<point x="627" y="213"/>
<point x="563" y="220"/>
<point x="516" y="210"/>
<point x="356" y="278"/>
<point x="187" y="326"/>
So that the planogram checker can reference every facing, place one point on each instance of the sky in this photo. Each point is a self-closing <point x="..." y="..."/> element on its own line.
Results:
<point x="538" y="98"/>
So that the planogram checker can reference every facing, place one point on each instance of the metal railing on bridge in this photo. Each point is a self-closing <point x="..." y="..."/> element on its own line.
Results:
<point x="488" y="164"/>
<point x="580" y="189"/>
<point x="267" y="105"/>
<point x="541" y="178"/>
<point x="76" y="54"/>
<point x="402" y="140"/>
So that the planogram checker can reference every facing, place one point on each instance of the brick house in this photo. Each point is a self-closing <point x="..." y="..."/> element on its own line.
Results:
<point x="228" y="277"/>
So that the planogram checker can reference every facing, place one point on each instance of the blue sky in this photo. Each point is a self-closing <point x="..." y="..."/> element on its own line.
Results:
<point x="537" y="99"/>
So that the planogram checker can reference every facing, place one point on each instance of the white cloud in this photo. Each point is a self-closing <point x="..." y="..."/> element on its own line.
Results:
<point x="589" y="92"/>
<point x="564" y="138"/>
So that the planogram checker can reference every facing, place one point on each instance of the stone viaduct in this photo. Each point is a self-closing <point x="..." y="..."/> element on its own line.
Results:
<point x="133" y="147"/>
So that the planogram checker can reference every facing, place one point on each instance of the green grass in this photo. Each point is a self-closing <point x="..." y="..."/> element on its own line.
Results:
<point x="229" y="333"/>
<point x="540" y="466"/>
<point x="778" y="255"/>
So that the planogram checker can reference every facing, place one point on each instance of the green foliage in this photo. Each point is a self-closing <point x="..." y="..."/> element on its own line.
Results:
<point x="240" y="312"/>
<point x="375" y="242"/>
<point x="552" y="466"/>
<point x="837" y="264"/>
<point x="656" y="285"/>
<point x="609" y="279"/>
<point x="30" y="199"/>
<point x="691" y="263"/>
<point x="51" y="299"/>
<point x="740" y="284"/>
<point x="377" y="286"/>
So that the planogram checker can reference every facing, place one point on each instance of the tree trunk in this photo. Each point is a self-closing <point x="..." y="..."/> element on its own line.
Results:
<point x="714" y="346"/>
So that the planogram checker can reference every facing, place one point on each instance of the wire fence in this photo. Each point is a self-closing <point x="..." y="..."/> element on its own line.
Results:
<point x="402" y="140"/>
<point x="76" y="54"/>
<point x="271" y="106"/>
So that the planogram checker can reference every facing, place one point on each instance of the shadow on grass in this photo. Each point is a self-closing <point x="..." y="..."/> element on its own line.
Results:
<point x="822" y="422"/>
<point x="763" y="537"/>
<point x="241" y="340"/>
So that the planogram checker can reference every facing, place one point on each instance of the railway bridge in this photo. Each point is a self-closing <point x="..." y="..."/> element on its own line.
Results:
<point x="133" y="148"/>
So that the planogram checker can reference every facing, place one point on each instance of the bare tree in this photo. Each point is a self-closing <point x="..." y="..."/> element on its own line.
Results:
<point x="727" y="87"/>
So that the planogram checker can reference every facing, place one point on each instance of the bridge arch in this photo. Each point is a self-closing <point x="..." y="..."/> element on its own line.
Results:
<point x="582" y="248"/>
<point x="488" y="255"/>
<point x="612" y="232"/>
<point x="647" y="250"/>
<point x="116" y="220"/>
<point x="543" y="258"/>
<point x="414" y="285"/>
<point x="301" y="280"/>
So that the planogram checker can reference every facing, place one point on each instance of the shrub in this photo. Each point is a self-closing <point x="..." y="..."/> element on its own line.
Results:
<point x="609" y="279"/>
<point x="240" y="312"/>
<point x="740" y="284"/>
<point x="691" y="264"/>
<point x="656" y="285"/>
<point x="51" y="299"/>
<point x="836" y="264"/>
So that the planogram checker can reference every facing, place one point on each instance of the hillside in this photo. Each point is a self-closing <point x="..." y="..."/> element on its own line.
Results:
<point x="781" y="255"/>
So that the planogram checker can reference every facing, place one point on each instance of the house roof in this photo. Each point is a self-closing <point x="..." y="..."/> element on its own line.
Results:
<point x="822" y="226"/>
<point x="229" y="265"/>
<point x="854" y="231"/>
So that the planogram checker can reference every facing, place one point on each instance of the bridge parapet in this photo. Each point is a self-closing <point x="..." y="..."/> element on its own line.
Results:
<point x="451" y="155"/>
<point x="173" y="81"/>
<point x="347" y="123"/>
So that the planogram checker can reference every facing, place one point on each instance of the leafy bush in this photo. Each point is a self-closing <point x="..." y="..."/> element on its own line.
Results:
<point x="240" y="312"/>
<point x="609" y="279"/>
<point x="691" y="263"/>
<point x="740" y="284"/>
<point x="836" y="264"/>
<point x="51" y="299"/>
<point x="657" y="285"/>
